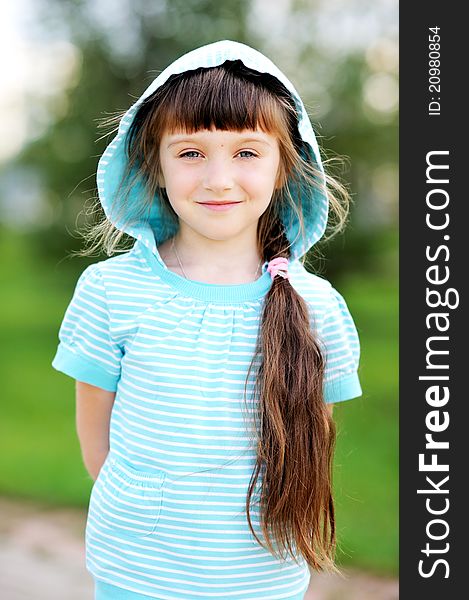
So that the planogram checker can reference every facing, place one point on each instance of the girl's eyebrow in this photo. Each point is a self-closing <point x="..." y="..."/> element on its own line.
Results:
<point x="242" y="141"/>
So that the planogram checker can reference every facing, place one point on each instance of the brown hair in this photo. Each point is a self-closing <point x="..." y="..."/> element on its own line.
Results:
<point x="296" y="440"/>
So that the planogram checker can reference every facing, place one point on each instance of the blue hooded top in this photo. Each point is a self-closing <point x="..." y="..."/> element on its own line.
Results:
<point x="167" y="512"/>
<point x="112" y="163"/>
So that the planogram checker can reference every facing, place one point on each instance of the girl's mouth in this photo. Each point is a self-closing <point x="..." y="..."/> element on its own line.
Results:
<point x="223" y="206"/>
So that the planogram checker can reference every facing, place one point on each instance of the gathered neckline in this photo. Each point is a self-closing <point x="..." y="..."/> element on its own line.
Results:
<point x="211" y="292"/>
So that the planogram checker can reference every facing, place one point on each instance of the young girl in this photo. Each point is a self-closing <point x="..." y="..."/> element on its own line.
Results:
<point x="207" y="357"/>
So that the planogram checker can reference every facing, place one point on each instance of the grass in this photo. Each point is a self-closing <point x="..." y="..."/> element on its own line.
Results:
<point x="366" y="465"/>
<point x="39" y="451"/>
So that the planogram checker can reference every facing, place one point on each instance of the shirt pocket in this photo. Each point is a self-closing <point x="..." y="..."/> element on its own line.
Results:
<point x="127" y="500"/>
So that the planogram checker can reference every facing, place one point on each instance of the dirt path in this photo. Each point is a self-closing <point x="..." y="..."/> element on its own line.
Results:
<point x="42" y="558"/>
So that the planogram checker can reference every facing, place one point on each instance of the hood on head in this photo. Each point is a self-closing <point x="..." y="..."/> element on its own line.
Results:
<point x="158" y="225"/>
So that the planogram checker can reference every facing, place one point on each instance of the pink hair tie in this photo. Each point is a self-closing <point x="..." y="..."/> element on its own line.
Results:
<point x="278" y="266"/>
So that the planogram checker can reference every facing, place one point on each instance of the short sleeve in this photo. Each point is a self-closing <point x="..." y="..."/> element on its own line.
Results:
<point x="341" y="346"/>
<point x="86" y="350"/>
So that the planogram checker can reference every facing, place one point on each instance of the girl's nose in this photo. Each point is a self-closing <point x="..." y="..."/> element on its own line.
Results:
<point x="218" y="176"/>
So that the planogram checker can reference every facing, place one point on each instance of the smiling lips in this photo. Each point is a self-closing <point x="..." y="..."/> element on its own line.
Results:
<point x="218" y="205"/>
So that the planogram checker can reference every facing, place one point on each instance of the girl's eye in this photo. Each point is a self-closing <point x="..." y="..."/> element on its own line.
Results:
<point x="189" y="152"/>
<point x="248" y="152"/>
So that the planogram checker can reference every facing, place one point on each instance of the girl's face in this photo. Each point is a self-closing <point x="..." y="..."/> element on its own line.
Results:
<point x="215" y="166"/>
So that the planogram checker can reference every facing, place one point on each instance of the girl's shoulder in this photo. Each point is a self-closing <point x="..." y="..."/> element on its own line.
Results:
<point x="313" y="288"/>
<point x="127" y="270"/>
<point x="336" y="332"/>
<point x="125" y="283"/>
<point x="324" y="301"/>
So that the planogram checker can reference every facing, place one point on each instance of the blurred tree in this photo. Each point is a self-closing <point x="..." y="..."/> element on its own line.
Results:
<point x="368" y="244"/>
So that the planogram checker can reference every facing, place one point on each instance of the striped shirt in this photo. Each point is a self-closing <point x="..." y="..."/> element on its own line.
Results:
<point x="167" y="512"/>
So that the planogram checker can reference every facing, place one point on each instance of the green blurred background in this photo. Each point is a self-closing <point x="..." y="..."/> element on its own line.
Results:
<point x="78" y="61"/>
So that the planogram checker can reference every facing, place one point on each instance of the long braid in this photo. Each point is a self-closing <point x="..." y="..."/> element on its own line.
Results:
<point x="297" y="437"/>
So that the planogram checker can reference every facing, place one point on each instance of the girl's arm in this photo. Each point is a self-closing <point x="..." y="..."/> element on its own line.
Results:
<point x="93" y="414"/>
